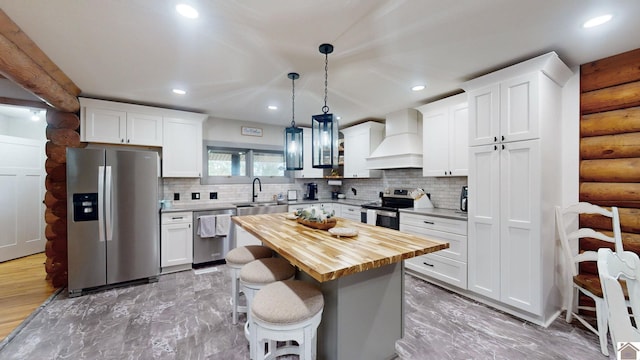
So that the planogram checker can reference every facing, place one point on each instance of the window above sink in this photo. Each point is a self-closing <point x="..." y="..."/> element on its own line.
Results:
<point x="232" y="163"/>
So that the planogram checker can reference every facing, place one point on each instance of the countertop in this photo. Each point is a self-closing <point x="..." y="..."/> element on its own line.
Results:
<point x="443" y="213"/>
<point x="195" y="206"/>
<point x="325" y="257"/>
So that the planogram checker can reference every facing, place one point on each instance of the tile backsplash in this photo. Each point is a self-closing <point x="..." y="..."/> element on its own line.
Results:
<point x="445" y="192"/>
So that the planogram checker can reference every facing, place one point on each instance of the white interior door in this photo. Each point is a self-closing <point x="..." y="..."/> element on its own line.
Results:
<point x="21" y="194"/>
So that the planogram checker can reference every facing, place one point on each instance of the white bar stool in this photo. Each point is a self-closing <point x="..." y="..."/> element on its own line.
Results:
<point x="236" y="259"/>
<point x="259" y="273"/>
<point x="288" y="310"/>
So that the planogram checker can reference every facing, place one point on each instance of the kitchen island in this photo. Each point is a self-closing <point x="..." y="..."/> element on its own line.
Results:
<point x="361" y="279"/>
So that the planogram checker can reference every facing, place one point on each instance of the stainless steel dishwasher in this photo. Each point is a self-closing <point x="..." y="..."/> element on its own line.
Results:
<point x="211" y="248"/>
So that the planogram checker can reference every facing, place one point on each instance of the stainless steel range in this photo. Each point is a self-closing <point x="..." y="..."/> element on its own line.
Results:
<point x="386" y="211"/>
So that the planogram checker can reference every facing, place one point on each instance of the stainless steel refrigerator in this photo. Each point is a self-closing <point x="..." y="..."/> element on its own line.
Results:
<point x="112" y="218"/>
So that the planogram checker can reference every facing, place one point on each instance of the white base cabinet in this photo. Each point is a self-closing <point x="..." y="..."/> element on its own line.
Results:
<point x="244" y="238"/>
<point x="350" y="212"/>
<point x="176" y="241"/>
<point x="448" y="265"/>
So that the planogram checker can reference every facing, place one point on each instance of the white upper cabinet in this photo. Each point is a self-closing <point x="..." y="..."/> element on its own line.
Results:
<point x="308" y="170"/>
<point x="179" y="133"/>
<point x="445" y="137"/>
<point x="182" y="147"/>
<point x="144" y="129"/>
<point x="359" y="142"/>
<point x="116" y="123"/>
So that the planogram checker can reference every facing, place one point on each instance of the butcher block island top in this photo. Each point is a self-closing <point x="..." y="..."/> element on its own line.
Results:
<point x="326" y="257"/>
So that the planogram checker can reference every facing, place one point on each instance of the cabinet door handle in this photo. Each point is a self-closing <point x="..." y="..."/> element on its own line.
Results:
<point x="350" y="210"/>
<point x="449" y="172"/>
<point x="495" y="147"/>
<point x="128" y="140"/>
<point x="428" y="222"/>
<point x="426" y="263"/>
<point x="445" y="172"/>
<point x="502" y="137"/>
<point x="122" y="140"/>
<point x="502" y="146"/>
<point x="495" y="139"/>
<point x="189" y="226"/>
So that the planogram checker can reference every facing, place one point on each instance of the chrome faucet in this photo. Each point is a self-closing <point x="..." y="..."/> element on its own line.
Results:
<point x="253" y="189"/>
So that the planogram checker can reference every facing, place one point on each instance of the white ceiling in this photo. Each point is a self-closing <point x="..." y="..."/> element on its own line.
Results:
<point x="234" y="59"/>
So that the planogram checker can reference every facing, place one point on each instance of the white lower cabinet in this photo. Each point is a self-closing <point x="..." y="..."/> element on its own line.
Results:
<point x="244" y="238"/>
<point x="449" y="265"/>
<point x="350" y="212"/>
<point x="176" y="240"/>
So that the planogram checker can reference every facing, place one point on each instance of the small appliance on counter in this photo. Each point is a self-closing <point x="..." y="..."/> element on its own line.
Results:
<point x="463" y="199"/>
<point x="311" y="192"/>
<point x="292" y="195"/>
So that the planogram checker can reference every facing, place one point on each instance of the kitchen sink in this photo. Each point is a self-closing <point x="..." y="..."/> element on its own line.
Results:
<point x="260" y="208"/>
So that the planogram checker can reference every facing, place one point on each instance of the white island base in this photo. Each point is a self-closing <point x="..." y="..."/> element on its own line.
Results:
<point x="363" y="314"/>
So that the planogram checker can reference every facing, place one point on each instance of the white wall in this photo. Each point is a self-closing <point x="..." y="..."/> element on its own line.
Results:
<point x="571" y="139"/>
<point x="216" y="129"/>
<point x="23" y="127"/>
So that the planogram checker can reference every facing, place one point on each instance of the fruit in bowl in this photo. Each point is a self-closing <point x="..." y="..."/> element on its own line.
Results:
<point x="316" y="217"/>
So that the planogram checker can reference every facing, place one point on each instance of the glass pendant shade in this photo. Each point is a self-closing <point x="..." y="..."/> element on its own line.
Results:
<point x="293" y="148"/>
<point x="324" y="136"/>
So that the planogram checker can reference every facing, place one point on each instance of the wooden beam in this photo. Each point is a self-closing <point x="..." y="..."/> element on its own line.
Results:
<point x="16" y="66"/>
<point x="25" y="103"/>
<point x="22" y="41"/>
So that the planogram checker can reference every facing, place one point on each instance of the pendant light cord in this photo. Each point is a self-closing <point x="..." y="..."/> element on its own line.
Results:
<point x="325" y="108"/>
<point x="293" y="102"/>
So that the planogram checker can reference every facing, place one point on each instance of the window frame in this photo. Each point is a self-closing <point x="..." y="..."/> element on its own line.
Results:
<point x="288" y="177"/>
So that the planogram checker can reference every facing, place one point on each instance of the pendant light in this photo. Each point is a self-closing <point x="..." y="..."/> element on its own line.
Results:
<point x="293" y="135"/>
<point x="324" y="129"/>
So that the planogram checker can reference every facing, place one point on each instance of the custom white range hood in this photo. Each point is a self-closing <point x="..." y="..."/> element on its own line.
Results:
<point x="402" y="144"/>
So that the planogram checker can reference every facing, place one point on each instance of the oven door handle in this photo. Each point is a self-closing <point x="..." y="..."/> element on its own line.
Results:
<point x="385" y="213"/>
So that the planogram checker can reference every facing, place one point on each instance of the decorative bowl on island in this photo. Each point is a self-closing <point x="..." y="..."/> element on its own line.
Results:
<point x="317" y="218"/>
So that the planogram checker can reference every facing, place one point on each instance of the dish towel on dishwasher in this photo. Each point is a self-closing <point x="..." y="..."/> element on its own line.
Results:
<point x="207" y="226"/>
<point x="372" y="215"/>
<point x="223" y="222"/>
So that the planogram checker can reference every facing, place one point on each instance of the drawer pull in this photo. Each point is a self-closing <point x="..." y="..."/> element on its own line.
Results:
<point x="429" y="222"/>
<point x="426" y="263"/>
<point x="177" y="218"/>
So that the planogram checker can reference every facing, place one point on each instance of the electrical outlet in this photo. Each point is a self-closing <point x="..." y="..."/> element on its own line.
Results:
<point x="176" y="196"/>
<point x="213" y="195"/>
<point x="195" y="196"/>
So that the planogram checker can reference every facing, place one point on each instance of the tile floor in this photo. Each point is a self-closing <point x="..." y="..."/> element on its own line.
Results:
<point x="188" y="316"/>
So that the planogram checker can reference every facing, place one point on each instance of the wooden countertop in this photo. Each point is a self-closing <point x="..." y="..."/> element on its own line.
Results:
<point x="325" y="257"/>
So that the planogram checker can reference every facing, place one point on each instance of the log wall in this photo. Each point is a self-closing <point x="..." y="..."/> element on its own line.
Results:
<point x="610" y="147"/>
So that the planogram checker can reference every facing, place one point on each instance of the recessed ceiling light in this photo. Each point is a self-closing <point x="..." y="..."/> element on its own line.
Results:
<point x="339" y="117"/>
<point x="272" y="107"/>
<point x="418" y="88"/>
<point x="187" y="11"/>
<point x="599" y="20"/>
<point x="179" y="91"/>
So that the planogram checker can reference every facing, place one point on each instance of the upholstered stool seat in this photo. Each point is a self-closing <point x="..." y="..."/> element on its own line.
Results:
<point x="236" y="259"/>
<point x="258" y="273"/>
<point x="288" y="310"/>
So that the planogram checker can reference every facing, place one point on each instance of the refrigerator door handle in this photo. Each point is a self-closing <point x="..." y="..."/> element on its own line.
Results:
<point x="101" y="203"/>
<point x="109" y="203"/>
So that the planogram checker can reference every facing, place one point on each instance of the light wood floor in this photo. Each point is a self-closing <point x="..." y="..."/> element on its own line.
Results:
<point x="22" y="289"/>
